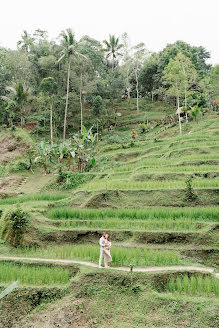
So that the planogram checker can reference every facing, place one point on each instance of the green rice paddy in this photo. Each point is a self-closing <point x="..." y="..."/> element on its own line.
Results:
<point x="194" y="286"/>
<point x="121" y="256"/>
<point x="33" y="274"/>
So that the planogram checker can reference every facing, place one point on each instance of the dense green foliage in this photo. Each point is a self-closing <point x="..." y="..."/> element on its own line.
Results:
<point x="34" y="274"/>
<point x="73" y="75"/>
<point x="14" y="224"/>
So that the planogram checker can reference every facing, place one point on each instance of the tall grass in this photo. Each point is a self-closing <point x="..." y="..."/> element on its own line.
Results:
<point x="33" y="275"/>
<point x="148" y="225"/>
<point x="179" y="169"/>
<point x="33" y="197"/>
<point x="197" y="213"/>
<point x="150" y="184"/>
<point x="161" y="161"/>
<point x="196" y="286"/>
<point x="121" y="256"/>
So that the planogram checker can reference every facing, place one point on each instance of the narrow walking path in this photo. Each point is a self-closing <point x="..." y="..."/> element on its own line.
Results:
<point x="135" y="269"/>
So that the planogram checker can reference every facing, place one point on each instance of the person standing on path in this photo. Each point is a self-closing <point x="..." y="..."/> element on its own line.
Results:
<point x="106" y="251"/>
<point x="102" y="244"/>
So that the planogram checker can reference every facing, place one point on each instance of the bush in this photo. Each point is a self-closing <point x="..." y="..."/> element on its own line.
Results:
<point x="143" y="127"/>
<point x="14" y="224"/>
<point x="20" y="165"/>
<point x="189" y="192"/>
<point x="70" y="180"/>
<point x="98" y="105"/>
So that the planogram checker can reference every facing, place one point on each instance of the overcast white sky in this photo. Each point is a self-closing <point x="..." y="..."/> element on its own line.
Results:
<point x="154" y="22"/>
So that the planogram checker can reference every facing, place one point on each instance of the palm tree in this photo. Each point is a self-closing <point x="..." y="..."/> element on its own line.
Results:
<point x="69" y="50"/>
<point x="19" y="94"/>
<point x="26" y="42"/>
<point x="112" y="49"/>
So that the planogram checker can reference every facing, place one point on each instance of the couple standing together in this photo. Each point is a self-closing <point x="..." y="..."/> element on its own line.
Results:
<point x="105" y="245"/>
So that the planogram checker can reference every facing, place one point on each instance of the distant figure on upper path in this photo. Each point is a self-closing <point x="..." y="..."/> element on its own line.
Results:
<point x="105" y="245"/>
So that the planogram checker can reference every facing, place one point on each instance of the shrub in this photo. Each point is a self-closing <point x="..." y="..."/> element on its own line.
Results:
<point x="20" y="165"/>
<point x="143" y="127"/>
<point x="98" y="105"/>
<point x="14" y="224"/>
<point x="189" y="192"/>
<point x="70" y="180"/>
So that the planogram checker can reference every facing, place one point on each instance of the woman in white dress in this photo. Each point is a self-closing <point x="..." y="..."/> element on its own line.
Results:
<point x="106" y="251"/>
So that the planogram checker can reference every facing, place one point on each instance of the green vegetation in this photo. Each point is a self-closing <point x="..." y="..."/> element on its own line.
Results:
<point x="33" y="197"/>
<point x="197" y="213"/>
<point x="33" y="275"/>
<point x="121" y="256"/>
<point x="195" y="286"/>
<point x="14" y="224"/>
<point x="148" y="225"/>
<point x="106" y="151"/>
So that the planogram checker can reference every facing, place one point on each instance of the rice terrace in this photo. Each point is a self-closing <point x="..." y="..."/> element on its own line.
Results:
<point x="109" y="184"/>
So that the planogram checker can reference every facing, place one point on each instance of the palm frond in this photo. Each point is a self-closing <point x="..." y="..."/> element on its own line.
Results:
<point x="61" y="58"/>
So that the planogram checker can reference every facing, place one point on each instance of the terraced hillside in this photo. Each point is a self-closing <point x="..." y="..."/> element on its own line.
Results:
<point x="137" y="193"/>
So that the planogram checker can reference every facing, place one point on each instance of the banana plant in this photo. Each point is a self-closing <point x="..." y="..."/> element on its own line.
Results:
<point x="82" y="149"/>
<point x="44" y="153"/>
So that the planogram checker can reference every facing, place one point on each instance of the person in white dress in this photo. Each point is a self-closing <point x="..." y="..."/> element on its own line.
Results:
<point x="102" y="245"/>
<point x="106" y="251"/>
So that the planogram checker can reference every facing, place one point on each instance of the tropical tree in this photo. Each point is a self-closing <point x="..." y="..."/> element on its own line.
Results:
<point x="19" y="94"/>
<point x="190" y="76"/>
<point x="98" y="105"/>
<point x="69" y="50"/>
<point x="174" y="79"/>
<point x="49" y="87"/>
<point x="44" y="153"/>
<point x="26" y="42"/>
<point x="139" y="57"/>
<point x="127" y="61"/>
<point x="112" y="49"/>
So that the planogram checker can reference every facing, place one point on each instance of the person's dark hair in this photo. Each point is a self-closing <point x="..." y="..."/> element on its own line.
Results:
<point x="108" y="238"/>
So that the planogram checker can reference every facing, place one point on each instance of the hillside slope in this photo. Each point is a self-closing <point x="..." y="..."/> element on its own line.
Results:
<point x="157" y="195"/>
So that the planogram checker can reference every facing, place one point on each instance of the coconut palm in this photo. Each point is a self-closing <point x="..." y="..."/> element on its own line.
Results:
<point x="112" y="49"/>
<point x="69" y="50"/>
<point x="26" y="42"/>
<point x="19" y="94"/>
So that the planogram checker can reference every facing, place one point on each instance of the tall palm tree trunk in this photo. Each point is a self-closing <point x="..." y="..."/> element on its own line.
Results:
<point x="186" y="106"/>
<point x="137" y="92"/>
<point x="51" y="126"/>
<point x="179" y="118"/>
<point x="66" y="104"/>
<point x="113" y="63"/>
<point x="81" y="104"/>
<point x="127" y="83"/>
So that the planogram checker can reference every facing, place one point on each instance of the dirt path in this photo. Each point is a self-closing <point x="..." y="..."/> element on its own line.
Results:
<point x="93" y="265"/>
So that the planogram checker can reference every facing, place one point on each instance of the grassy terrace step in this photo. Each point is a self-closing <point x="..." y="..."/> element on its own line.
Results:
<point x="199" y="169"/>
<point x="160" y="144"/>
<point x="144" y="198"/>
<point x="33" y="197"/>
<point x="158" y="159"/>
<point x="167" y="150"/>
<point x="198" y="213"/>
<point x="146" y="225"/>
<point x="162" y="162"/>
<point x="56" y="235"/>
<point x="35" y="274"/>
<point x="193" y="286"/>
<point x="109" y="184"/>
<point x="121" y="256"/>
<point x="172" y="176"/>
